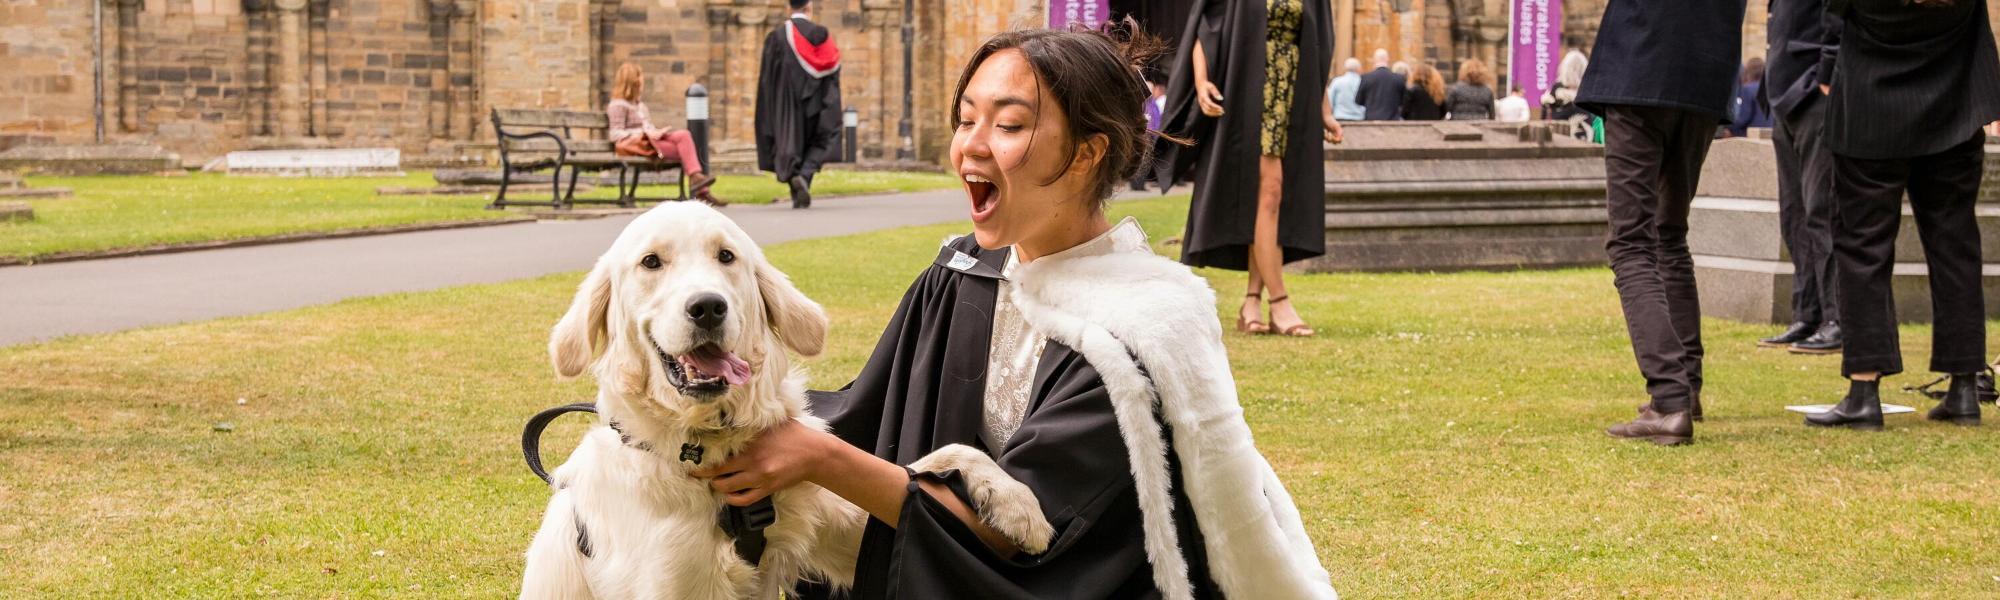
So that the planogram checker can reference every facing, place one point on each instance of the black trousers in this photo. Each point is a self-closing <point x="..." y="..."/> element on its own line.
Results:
<point x="1806" y="209"/>
<point x="1943" y="188"/>
<point x="1652" y="165"/>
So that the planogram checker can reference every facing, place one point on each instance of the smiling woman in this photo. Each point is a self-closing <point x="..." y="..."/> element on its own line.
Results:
<point x="1088" y="368"/>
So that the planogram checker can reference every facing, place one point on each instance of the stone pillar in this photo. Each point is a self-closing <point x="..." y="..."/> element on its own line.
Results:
<point x="316" y="69"/>
<point x="128" y="70"/>
<point x="603" y="62"/>
<point x="290" y="77"/>
<point x="880" y="93"/>
<point x="439" y="111"/>
<point x="464" y="76"/>
<point x="257" y="67"/>
<point x="736" y="44"/>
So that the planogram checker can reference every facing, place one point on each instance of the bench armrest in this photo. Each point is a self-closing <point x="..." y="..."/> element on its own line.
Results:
<point x="562" y="146"/>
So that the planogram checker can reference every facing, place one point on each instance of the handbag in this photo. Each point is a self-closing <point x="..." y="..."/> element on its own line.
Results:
<point x="633" y="145"/>
<point x="1983" y="383"/>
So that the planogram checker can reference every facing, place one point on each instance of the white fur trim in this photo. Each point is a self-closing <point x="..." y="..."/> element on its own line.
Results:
<point x="1107" y="306"/>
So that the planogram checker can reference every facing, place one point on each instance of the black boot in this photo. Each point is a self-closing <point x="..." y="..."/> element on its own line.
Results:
<point x="1799" y="331"/>
<point x="801" y="192"/>
<point x="1669" y="429"/>
<point x="1861" y="409"/>
<point x="1961" y="402"/>
<point x="1828" y="340"/>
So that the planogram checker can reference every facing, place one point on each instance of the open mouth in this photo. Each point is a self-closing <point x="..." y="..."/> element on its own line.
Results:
<point x="705" y="371"/>
<point x="985" y="196"/>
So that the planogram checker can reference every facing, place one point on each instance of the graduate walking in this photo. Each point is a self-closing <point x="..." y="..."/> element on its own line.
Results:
<point x="798" y="102"/>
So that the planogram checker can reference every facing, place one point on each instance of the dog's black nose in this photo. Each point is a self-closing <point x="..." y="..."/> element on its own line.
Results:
<point x="707" y="310"/>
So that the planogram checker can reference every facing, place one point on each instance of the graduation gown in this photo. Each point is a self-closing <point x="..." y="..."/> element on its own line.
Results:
<point x="1091" y="447"/>
<point x="798" y="100"/>
<point x="1224" y="159"/>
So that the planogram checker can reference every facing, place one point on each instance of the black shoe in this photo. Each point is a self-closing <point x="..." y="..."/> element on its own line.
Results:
<point x="1670" y="429"/>
<point x="1860" y="409"/>
<point x="1828" y="340"/>
<point x="801" y="192"/>
<point x="1961" y="402"/>
<point x="1798" y="332"/>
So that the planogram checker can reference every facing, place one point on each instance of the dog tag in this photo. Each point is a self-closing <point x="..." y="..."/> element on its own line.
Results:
<point x="691" y="453"/>
<point x="961" y="261"/>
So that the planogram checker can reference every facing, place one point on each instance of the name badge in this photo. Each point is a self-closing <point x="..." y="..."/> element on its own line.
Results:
<point x="961" y="261"/>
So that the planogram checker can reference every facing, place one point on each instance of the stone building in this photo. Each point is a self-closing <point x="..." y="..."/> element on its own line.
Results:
<point x="202" y="77"/>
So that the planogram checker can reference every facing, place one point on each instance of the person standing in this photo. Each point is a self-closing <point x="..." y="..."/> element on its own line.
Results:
<point x="1471" y="99"/>
<point x="1913" y="83"/>
<point x="798" y="102"/>
<point x="1381" y="91"/>
<point x="1661" y="104"/>
<point x="1804" y="40"/>
<point x="1424" y="99"/>
<point x="1513" y="108"/>
<point x="1343" y="92"/>
<point x="1242" y="89"/>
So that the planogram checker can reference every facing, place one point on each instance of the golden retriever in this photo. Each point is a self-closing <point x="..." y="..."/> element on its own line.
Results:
<point x="686" y="326"/>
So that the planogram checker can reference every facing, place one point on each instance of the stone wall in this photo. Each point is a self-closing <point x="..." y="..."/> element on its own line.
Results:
<point x="45" y="71"/>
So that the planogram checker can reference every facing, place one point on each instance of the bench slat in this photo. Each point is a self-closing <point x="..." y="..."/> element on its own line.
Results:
<point x="523" y="117"/>
<point x="541" y="144"/>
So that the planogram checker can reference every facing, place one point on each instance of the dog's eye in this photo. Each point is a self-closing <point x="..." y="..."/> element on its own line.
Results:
<point x="726" y="256"/>
<point x="651" y="262"/>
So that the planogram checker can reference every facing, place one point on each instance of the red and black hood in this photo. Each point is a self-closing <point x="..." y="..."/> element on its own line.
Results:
<point x="814" y="47"/>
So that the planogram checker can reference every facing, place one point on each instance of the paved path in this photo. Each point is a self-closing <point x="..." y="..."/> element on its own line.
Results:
<point x="44" y="301"/>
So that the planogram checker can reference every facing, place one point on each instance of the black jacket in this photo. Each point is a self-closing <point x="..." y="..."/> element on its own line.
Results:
<point x="1381" y="95"/>
<point x="1911" y="81"/>
<point x="1803" y="42"/>
<point x="1683" y="54"/>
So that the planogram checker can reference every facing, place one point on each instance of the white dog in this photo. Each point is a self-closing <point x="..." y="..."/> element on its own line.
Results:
<point x="686" y="325"/>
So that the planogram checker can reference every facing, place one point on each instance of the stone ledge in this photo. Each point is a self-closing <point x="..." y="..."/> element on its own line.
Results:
<point x="1760" y="291"/>
<point x="1748" y="228"/>
<point x="35" y="193"/>
<point x="16" y="211"/>
<point x="260" y="241"/>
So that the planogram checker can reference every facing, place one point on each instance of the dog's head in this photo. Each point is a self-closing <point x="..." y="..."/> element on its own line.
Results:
<point x="683" y="309"/>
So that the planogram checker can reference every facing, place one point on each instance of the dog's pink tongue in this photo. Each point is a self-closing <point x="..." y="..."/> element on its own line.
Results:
<point x="726" y="364"/>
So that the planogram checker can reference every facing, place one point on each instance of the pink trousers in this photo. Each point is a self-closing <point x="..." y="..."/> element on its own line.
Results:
<point x="678" y="145"/>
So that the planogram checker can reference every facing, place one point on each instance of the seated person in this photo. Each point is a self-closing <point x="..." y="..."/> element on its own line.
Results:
<point x="633" y="134"/>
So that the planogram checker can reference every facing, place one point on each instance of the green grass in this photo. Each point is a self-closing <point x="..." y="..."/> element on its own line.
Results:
<point x="1442" y="437"/>
<point x="120" y="213"/>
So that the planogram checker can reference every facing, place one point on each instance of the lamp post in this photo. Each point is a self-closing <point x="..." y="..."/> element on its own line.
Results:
<point x="850" y="146"/>
<point x="697" y="122"/>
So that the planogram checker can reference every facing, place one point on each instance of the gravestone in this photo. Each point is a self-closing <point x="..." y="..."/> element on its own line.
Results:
<point x="118" y="159"/>
<point x="344" y="162"/>
<point x="1413" y="196"/>
<point x="1745" y="272"/>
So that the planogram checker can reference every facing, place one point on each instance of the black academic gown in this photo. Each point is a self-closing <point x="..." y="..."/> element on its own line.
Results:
<point x="1224" y="160"/>
<point x="923" y="389"/>
<point x="798" y="115"/>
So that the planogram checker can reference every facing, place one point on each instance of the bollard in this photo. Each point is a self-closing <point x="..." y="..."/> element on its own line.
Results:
<point x="850" y="144"/>
<point x="697" y="123"/>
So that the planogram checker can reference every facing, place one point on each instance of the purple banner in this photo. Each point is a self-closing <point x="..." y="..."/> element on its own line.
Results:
<point x="1535" y="47"/>
<point x="1089" y="13"/>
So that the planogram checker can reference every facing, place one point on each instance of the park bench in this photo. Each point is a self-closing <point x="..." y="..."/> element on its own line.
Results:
<point x="531" y="140"/>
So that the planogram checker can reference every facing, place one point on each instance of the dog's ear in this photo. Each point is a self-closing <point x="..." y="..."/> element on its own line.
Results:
<point x="579" y="336"/>
<point x="800" y="322"/>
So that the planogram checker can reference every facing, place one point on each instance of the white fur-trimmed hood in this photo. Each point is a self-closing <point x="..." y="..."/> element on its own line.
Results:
<point x="1117" y="307"/>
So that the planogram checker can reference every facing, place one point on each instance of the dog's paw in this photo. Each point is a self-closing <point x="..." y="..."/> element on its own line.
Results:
<point x="1003" y="503"/>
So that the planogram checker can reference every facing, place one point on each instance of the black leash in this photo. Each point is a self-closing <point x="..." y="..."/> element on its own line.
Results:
<point x="744" y="524"/>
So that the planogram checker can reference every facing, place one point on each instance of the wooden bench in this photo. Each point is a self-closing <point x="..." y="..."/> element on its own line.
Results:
<point x="532" y="140"/>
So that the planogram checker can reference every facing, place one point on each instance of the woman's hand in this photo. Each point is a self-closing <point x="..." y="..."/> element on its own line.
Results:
<point x="779" y="458"/>
<point x="1209" y="97"/>
<point x="1334" y="134"/>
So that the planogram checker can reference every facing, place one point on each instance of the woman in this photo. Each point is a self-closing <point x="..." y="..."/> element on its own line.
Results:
<point x="1042" y="339"/>
<point x="1915" y="82"/>
<point x="1233" y="91"/>
<point x="1471" y="99"/>
<point x="633" y="134"/>
<point x="1559" y="103"/>
<point x="1425" y="100"/>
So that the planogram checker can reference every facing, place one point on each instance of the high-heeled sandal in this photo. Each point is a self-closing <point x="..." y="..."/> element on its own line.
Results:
<point x="1300" y="330"/>
<point x="1251" y="326"/>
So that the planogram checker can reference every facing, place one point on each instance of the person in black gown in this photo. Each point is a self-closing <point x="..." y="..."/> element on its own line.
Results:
<point x="1091" y="369"/>
<point x="798" y="102"/>
<point x="1244" y="88"/>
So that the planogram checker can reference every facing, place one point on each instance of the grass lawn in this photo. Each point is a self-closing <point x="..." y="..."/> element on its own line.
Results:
<point x="1442" y="437"/>
<point x="115" y="213"/>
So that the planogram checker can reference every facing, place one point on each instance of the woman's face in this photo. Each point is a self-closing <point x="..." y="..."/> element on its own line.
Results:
<point x="1010" y="148"/>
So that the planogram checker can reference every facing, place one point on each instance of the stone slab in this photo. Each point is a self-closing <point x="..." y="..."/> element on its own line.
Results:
<point x="10" y="180"/>
<point x="16" y="211"/>
<point x="345" y="162"/>
<point x="26" y="193"/>
<point x="1756" y="291"/>
<point x="1740" y="168"/>
<point x="117" y="159"/>
<point x="1743" y="228"/>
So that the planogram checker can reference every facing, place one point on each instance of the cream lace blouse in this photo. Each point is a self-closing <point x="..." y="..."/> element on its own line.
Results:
<point x="1016" y="348"/>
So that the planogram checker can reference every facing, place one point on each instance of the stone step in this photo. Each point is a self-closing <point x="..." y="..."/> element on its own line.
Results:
<point x="10" y="180"/>
<point x="27" y="193"/>
<point x="1538" y="188"/>
<point x="1760" y="291"/>
<point x="1748" y="229"/>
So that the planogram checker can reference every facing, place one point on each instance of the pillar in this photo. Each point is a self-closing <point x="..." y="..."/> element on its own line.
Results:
<point x="464" y="76"/>
<point x="128" y="70"/>
<point x="290" y="76"/>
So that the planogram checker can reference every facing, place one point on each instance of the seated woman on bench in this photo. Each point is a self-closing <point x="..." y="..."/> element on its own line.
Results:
<point x="633" y="134"/>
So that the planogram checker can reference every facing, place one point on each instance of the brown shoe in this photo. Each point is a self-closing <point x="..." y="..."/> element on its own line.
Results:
<point x="1671" y="429"/>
